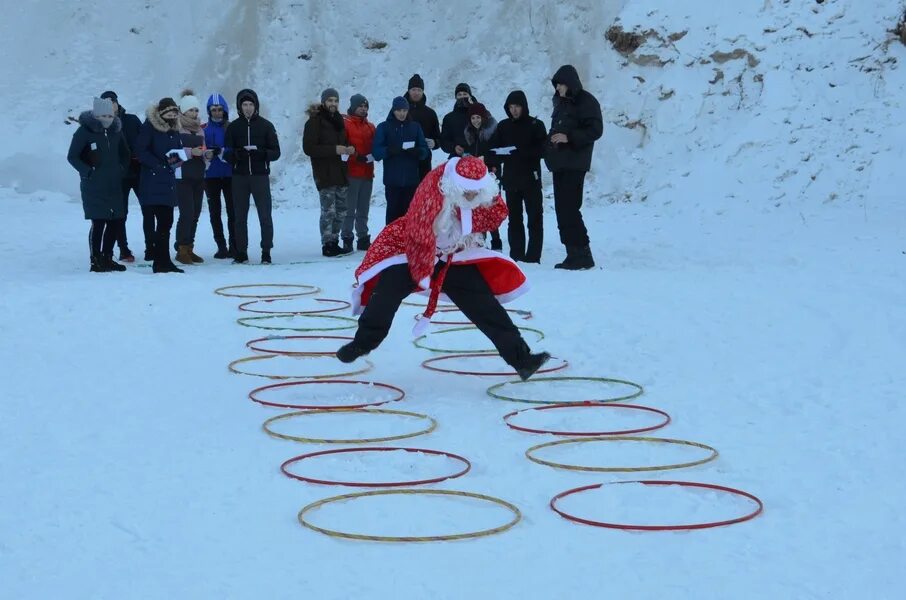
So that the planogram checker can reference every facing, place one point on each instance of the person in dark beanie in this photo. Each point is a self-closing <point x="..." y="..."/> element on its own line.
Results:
<point x="575" y="126"/>
<point x="324" y="140"/>
<point x="477" y="140"/>
<point x="131" y="125"/>
<point x="400" y="143"/>
<point x="517" y="147"/>
<point x="424" y="115"/>
<point x="218" y="179"/>
<point x="159" y="149"/>
<point x="252" y="143"/>
<point x="456" y="120"/>
<point x="360" y="135"/>
<point x="189" y="178"/>
<point x="100" y="154"/>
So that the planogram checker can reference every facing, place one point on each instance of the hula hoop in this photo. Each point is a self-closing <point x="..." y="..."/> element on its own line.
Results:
<point x="310" y="290"/>
<point x="251" y="344"/>
<point x="428" y="365"/>
<point x="639" y="390"/>
<point x="252" y="395"/>
<point x="342" y="306"/>
<point x="525" y="314"/>
<point x="713" y="454"/>
<point x="517" y="516"/>
<point x="302" y="457"/>
<point x="663" y="423"/>
<point x="350" y="323"/>
<point x="384" y="411"/>
<point x="232" y="367"/>
<point x="419" y="339"/>
<point x="709" y="486"/>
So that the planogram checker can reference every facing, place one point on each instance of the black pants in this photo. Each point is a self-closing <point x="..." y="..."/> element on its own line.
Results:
<point x="129" y="183"/>
<point x="526" y="195"/>
<point x="103" y="235"/>
<point x="259" y="188"/>
<point x="190" y="195"/>
<point x="568" y="187"/>
<point x="161" y="219"/>
<point x="148" y="226"/>
<point x="398" y="201"/>
<point x="213" y="188"/>
<point x="466" y="288"/>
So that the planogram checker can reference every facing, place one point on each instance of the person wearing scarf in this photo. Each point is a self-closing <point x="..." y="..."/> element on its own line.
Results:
<point x="190" y="178"/>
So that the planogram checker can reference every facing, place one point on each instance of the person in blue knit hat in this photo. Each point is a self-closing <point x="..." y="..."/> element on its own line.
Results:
<point x="400" y="143"/>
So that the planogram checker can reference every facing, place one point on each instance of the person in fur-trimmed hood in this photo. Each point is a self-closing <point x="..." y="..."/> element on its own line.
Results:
<point x="159" y="150"/>
<point x="436" y="249"/>
<point x="477" y="139"/>
<point x="324" y="140"/>
<point x="100" y="154"/>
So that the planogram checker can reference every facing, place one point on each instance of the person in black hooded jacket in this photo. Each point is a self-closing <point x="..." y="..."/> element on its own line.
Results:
<point x="253" y="145"/>
<point x="520" y="173"/>
<point x="575" y="126"/>
<point x="456" y="121"/>
<point x="131" y="126"/>
<point x="424" y="115"/>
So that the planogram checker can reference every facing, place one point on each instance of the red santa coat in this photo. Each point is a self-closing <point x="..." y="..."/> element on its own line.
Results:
<point x="411" y="240"/>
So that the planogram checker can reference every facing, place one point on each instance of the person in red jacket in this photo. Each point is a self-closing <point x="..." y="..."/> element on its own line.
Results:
<point x="360" y="134"/>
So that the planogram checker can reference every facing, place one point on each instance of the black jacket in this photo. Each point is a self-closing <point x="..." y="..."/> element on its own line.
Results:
<point x="578" y="115"/>
<point x="323" y="133"/>
<point x="256" y="131"/>
<point x="452" y="128"/>
<point x="131" y="127"/>
<point x="528" y="135"/>
<point x="425" y="116"/>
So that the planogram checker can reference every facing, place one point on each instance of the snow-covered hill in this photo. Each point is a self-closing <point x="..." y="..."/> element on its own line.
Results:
<point x="763" y="102"/>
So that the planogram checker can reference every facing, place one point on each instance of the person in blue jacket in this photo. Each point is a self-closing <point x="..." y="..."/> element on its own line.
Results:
<point x="400" y="143"/>
<point x="159" y="149"/>
<point x="218" y="179"/>
<point x="131" y="125"/>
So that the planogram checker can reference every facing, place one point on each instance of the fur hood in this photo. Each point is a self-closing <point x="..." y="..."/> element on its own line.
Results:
<point x="488" y="127"/>
<point x="158" y="122"/>
<point x="90" y="122"/>
<point x="335" y="119"/>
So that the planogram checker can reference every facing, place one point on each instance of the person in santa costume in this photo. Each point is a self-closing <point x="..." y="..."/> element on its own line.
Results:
<point x="437" y="248"/>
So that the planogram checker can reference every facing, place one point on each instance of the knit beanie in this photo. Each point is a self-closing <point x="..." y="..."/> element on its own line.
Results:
<point x="400" y="103"/>
<point x="329" y="93"/>
<point x="462" y="87"/>
<point x="166" y="104"/>
<point x="111" y="95"/>
<point x="188" y="101"/>
<point x="102" y="106"/>
<point x="416" y="81"/>
<point x="477" y="109"/>
<point x="356" y="101"/>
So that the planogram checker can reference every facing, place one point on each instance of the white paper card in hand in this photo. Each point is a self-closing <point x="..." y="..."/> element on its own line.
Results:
<point x="370" y="158"/>
<point x="344" y="157"/>
<point x="407" y="145"/>
<point x="250" y="147"/>
<point x="506" y="150"/>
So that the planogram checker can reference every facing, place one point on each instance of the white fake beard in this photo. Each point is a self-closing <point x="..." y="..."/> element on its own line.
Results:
<point x="446" y="225"/>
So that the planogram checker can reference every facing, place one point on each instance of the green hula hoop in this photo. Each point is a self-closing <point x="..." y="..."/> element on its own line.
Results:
<point x="234" y="368"/>
<point x="712" y="454"/>
<point x="639" y="390"/>
<point x="350" y="323"/>
<point x="419" y="341"/>
<point x="266" y="426"/>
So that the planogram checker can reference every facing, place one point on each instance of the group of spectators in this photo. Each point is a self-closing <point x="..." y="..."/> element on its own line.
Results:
<point x="173" y="159"/>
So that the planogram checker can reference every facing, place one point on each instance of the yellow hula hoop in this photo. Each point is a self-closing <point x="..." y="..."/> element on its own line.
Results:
<point x="384" y="411"/>
<point x="713" y="454"/>
<point x="639" y="390"/>
<point x="348" y="322"/>
<point x="222" y="291"/>
<point x="233" y="368"/>
<point x="418" y="341"/>
<point x="517" y="516"/>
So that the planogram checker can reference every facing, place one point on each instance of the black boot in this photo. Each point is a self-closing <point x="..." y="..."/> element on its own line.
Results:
<point x="531" y="364"/>
<point x="162" y="261"/>
<point x="578" y="258"/>
<point x="363" y="243"/>
<point x="149" y="253"/>
<point x="350" y="352"/>
<point x="222" y="251"/>
<point x="330" y="249"/>
<point x="240" y="258"/>
<point x="347" y="245"/>
<point x="98" y="265"/>
<point x="265" y="257"/>
<point x="168" y="267"/>
<point x="111" y="264"/>
<point x="346" y="249"/>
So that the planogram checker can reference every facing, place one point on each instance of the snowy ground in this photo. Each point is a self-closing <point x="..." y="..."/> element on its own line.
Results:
<point x="133" y="464"/>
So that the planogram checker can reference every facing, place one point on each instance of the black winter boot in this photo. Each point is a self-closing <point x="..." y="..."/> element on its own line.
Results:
<point x="222" y="251"/>
<point x="347" y="245"/>
<point x="363" y="243"/>
<point x="350" y="352"/>
<point x="531" y="364"/>
<point x="265" y="257"/>
<point x="98" y="265"/>
<point x="149" y="253"/>
<point x="345" y="249"/>
<point x="112" y="265"/>
<point x="165" y="267"/>
<point x="578" y="258"/>
<point x="330" y="249"/>
<point x="240" y="258"/>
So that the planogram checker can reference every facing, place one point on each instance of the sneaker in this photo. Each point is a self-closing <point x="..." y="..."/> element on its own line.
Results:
<point x="532" y="364"/>
<point x="265" y="257"/>
<point x="241" y="258"/>
<point x="126" y="255"/>
<point x="350" y="352"/>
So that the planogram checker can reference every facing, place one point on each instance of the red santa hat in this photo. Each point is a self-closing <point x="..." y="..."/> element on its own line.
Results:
<point x="469" y="173"/>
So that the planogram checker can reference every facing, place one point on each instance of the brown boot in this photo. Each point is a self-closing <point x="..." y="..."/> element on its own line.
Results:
<point x="184" y="255"/>
<point x="195" y="257"/>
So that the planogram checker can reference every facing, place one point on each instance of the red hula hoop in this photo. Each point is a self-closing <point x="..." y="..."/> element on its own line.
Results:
<point x="663" y="423"/>
<point x="460" y="473"/>
<point x="251" y="344"/>
<point x="401" y="394"/>
<point x="708" y="486"/>
<point x="342" y="306"/>
<point x="525" y="314"/>
<point x="427" y="364"/>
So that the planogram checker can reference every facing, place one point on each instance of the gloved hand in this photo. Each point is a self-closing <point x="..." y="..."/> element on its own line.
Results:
<point x="361" y="159"/>
<point x="241" y="154"/>
<point x="413" y="152"/>
<point x="394" y="150"/>
<point x="216" y="150"/>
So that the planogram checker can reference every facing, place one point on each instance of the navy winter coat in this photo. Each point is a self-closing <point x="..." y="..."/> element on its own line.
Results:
<point x="400" y="166"/>
<point x="101" y="156"/>
<point x="157" y="183"/>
